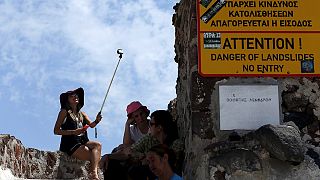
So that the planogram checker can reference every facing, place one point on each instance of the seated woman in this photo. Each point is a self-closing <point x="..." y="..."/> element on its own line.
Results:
<point x="137" y="126"/>
<point x="161" y="161"/>
<point x="71" y="124"/>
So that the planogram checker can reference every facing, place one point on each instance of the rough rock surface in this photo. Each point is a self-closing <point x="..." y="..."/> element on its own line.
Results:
<point x="213" y="154"/>
<point x="282" y="142"/>
<point x="29" y="163"/>
<point x="269" y="153"/>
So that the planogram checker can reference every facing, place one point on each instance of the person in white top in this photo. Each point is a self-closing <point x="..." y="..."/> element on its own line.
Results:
<point x="137" y="124"/>
<point x="136" y="127"/>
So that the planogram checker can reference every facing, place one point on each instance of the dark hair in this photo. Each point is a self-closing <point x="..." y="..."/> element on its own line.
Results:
<point x="161" y="150"/>
<point x="64" y="103"/>
<point x="165" y="120"/>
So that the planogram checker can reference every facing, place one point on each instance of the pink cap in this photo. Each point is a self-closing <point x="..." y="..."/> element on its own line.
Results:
<point x="135" y="105"/>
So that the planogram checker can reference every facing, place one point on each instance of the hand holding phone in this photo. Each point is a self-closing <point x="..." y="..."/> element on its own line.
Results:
<point x="86" y="127"/>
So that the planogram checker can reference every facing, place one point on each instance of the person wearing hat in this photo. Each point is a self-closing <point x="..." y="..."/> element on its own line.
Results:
<point x="163" y="130"/>
<point x="137" y="124"/>
<point x="136" y="127"/>
<point x="72" y="124"/>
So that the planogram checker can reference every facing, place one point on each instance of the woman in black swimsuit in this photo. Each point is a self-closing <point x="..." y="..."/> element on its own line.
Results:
<point x="72" y="124"/>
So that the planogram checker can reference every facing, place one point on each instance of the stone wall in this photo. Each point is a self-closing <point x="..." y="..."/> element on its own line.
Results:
<point x="215" y="154"/>
<point x="29" y="163"/>
<point x="288" y="151"/>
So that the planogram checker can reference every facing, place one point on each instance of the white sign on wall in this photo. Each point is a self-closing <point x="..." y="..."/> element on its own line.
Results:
<point x="248" y="107"/>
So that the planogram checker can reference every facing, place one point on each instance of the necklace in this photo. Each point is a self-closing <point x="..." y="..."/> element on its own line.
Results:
<point x="76" y="117"/>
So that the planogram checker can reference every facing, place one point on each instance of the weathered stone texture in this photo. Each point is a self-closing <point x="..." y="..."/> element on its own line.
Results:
<point x="29" y="163"/>
<point x="283" y="142"/>
<point x="215" y="154"/>
<point x="238" y="159"/>
<point x="282" y="152"/>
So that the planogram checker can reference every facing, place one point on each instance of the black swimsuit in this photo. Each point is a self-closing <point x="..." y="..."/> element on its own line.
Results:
<point x="70" y="143"/>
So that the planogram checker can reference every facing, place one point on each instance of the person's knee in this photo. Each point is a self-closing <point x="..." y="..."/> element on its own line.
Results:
<point x="82" y="153"/>
<point x="98" y="146"/>
<point x="95" y="145"/>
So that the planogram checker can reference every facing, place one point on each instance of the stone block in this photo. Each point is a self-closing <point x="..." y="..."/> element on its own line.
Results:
<point x="282" y="142"/>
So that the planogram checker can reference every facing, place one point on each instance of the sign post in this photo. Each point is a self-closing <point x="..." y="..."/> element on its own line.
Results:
<point x="258" y="37"/>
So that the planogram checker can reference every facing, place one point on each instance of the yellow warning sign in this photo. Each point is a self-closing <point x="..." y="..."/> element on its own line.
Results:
<point x="258" y="37"/>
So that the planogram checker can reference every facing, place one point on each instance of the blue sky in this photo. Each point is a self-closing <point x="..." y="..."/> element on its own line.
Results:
<point x="48" y="47"/>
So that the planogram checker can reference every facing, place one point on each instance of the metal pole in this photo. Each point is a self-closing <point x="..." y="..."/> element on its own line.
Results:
<point x="105" y="97"/>
<point x="120" y="52"/>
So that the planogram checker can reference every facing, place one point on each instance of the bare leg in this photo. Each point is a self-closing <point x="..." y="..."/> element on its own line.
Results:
<point x="92" y="152"/>
<point x="95" y="148"/>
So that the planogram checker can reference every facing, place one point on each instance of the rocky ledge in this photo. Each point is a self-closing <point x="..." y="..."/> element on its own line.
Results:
<point x="30" y="163"/>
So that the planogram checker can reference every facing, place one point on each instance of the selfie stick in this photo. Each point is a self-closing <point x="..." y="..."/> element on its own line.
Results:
<point x="120" y="52"/>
